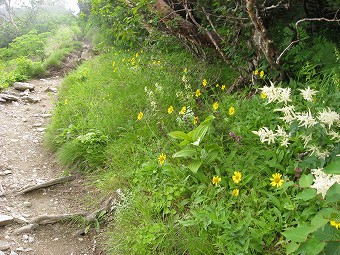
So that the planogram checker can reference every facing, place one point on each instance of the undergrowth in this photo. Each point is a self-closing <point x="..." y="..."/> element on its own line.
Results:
<point x="198" y="170"/>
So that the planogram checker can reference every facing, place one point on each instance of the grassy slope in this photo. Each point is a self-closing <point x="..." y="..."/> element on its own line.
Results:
<point x="168" y="209"/>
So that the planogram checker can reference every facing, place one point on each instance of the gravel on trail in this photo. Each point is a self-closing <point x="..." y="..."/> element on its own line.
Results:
<point x="24" y="161"/>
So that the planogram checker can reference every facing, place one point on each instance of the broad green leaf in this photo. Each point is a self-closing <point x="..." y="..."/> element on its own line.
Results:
<point x="247" y="179"/>
<point x="298" y="234"/>
<point x="202" y="129"/>
<point x="314" y="246"/>
<point x="306" y="180"/>
<point x="195" y="165"/>
<point x="332" y="248"/>
<point x="333" y="194"/>
<point x="333" y="167"/>
<point x="186" y="152"/>
<point x="307" y="194"/>
<point x="326" y="233"/>
<point x="291" y="247"/>
<point x="210" y="156"/>
<point x="180" y="135"/>
<point x="319" y="220"/>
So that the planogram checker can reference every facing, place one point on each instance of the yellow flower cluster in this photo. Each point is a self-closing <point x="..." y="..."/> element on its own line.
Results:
<point x="261" y="73"/>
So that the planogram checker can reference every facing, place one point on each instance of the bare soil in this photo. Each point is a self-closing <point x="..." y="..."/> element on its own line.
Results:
<point x="24" y="161"/>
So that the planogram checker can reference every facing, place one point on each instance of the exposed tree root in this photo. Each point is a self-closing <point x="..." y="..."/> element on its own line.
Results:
<point x="89" y="217"/>
<point x="47" y="184"/>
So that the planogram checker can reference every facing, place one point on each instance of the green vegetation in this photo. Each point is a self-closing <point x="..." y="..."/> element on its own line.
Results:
<point x="33" y="54"/>
<point x="161" y="130"/>
<point x="232" y="151"/>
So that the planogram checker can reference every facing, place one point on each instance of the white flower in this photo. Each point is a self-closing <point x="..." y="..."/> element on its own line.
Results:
<point x="285" y="142"/>
<point x="334" y="135"/>
<point x="314" y="150"/>
<point x="271" y="92"/>
<point x="306" y="139"/>
<point x="308" y="93"/>
<point x="328" y="117"/>
<point x="284" y="95"/>
<point x="322" y="181"/>
<point x="266" y="135"/>
<point x="306" y="119"/>
<point x="287" y="118"/>
<point x="287" y="110"/>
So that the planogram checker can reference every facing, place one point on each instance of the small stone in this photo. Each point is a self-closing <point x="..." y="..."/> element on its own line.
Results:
<point x="9" y="97"/>
<point x="30" y="239"/>
<point x="2" y="100"/>
<point x="41" y="129"/>
<point x="5" y="220"/>
<point x="13" y="253"/>
<point x="51" y="89"/>
<point x="2" y="253"/>
<point x="6" y="172"/>
<point x="18" y="218"/>
<point x="27" y="204"/>
<point x="45" y="115"/>
<point x="30" y="99"/>
<point x="23" y="86"/>
<point x="37" y="125"/>
<point x="4" y="245"/>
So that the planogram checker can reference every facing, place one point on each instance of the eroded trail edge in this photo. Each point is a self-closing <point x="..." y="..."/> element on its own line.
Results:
<point x="25" y="163"/>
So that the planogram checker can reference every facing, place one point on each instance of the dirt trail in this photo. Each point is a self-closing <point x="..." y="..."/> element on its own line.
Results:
<point x="23" y="162"/>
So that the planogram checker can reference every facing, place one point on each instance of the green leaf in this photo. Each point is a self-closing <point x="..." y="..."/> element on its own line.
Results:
<point x="298" y="234"/>
<point x="195" y="165"/>
<point x="320" y="219"/>
<point x="326" y="233"/>
<point x="180" y="135"/>
<point x="333" y="167"/>
<point x="291" y="247"/>
<point x="332" y="248"/>
<point x="333" y="194"/>
<point x="306" y="180"/>
<point x="314" y="246"/>
<point x="202" y="129"/>
<point x="186" y="152"/>
<point x="307" y="194"/>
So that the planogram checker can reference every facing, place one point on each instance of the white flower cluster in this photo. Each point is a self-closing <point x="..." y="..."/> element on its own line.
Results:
<point x="276" y="93"/>
<point x="326" y="118"/>
<point x="267" y="135"/>
<point x="322" y="181"/>
<point x="151" y="95"/>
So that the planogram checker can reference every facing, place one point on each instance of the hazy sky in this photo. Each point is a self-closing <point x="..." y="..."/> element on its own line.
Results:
<point x="72" y="5"/>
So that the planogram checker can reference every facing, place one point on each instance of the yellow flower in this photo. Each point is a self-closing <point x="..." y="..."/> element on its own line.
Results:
<point x="335" y="224"/>
<point x="140" y="115"/>
<point x="256" y="72"/>
<point x="276" y="180"/>
<point x="216" y="180"/>
<point x="204" y="82"/>
<point x="217" y="85"/>
<point x="231" y="110"/>
<point x="235" y="192"/>
<point x="115" y="69"/>
<point x="223" y="87"/>
<point x="237" y="177"/>
<point x="66" y="101"/>
<point x="263" y="95"/>
<point x="136" y="55"/>
<point x="185" y="70"/>
<point x="261" y="74"/>
<point x="215" y="106"/>
<point x="170" y="109"/>
<point x="113" y="64"/>
<point x="162" y="159"/>
<point x="195" y="120"/>
<point x="198" y="93"/>
<point x="183" y="110"/>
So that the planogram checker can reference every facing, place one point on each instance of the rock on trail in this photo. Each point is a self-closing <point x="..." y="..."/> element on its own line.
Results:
<point x="25" y="109"/>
